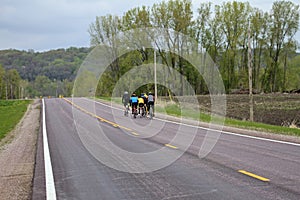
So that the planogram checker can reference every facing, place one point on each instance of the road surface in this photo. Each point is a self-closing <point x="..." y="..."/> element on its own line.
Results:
<point x="236" y="168"/>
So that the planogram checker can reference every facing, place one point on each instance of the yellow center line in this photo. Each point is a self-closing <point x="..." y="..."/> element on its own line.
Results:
<point x="100" y="118"/>
<point x="134" y="133"/>
<point x="125" y="128"/>
<point x="254" y="175"/>
<point x="171" y="146"/>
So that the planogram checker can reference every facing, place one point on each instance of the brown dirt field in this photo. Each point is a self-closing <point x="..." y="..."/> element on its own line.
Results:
<point x="17" y="156"/>
<point x="275" y="109"/>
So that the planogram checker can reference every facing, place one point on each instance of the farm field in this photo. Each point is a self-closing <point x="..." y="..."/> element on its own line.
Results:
<point x="274" y="109"/>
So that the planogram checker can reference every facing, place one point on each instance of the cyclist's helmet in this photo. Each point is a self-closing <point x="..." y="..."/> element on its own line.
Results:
<point x="149" y="93"/>
<point x="125" y="92"/>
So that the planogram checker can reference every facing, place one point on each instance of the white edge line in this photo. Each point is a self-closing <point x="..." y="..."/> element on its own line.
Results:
<point x="50" y="186"/>
<point x="209" y="129"/>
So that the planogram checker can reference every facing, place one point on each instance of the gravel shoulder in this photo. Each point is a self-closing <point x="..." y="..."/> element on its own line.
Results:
<point x="17" y="156"/>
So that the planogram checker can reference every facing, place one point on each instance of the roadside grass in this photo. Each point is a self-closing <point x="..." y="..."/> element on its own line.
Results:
<point x="262" y="127"/>
<point x="177" y="111"/>
<point x="111" y="99"/>
<point x="11" y="112"/>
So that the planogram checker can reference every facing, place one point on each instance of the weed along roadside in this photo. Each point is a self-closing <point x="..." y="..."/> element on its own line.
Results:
<point x="11" y="112"/>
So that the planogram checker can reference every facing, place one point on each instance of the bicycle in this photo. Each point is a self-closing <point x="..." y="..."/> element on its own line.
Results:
<point x="126" y="110"/>
<point x="135" y="113"/>
<point x="151" y="114"/>
<point x="142" y="111"/>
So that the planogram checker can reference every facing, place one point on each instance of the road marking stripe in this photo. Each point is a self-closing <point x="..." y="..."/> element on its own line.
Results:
<point x="50" y="186"/>
<point x="100" y="118"/>
<point x="171" y="146"/>
<point x="125" y="128"/>
<point x="254" y="176"/>
<point x="134" y="133"/>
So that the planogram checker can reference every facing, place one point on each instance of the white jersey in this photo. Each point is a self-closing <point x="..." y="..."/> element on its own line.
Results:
<point x="150" y="98"/>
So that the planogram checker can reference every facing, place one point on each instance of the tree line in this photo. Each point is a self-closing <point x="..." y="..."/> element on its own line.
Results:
<point x="29" y="74"/>
<point x="221" y="31"/>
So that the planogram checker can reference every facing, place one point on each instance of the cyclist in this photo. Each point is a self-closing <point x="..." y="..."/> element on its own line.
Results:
<point x="151" y="101"/>
<point x="141" y="105"/>
<point x="133" y="102"/>
<point x="145" y="97"/>
<point x="125" y="100"/>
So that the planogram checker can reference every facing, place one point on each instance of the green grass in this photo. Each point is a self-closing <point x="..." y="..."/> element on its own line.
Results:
<point x="262" y="127"/>
<point x="111" y="99"/>
<point x="11" y="112"/>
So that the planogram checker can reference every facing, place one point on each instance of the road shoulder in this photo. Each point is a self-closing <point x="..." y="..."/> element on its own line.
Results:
<point x="17" y="156"/>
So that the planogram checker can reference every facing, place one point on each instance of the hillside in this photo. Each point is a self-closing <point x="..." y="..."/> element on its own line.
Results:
<point x="31" y="74"/>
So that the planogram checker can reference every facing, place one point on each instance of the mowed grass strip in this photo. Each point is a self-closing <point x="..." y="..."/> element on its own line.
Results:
<point x="175" y="110"/>
<point x="11" y="112"/>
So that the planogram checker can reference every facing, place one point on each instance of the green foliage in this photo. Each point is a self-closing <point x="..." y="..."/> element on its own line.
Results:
<point x="84" y="85"/>
<point x="11" y="112"/>
<point x="2" y="82"/>
<point x="221" y="31"/>
<point x="293" y="74"/>
<point x="43" y="86"/>
<point x="59" y="67"/>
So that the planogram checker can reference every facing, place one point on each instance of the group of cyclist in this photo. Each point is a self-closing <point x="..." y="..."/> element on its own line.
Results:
<point x="139" y="104"/>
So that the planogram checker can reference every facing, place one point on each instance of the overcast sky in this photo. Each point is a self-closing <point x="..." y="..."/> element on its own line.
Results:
<point x="50" y="24"/>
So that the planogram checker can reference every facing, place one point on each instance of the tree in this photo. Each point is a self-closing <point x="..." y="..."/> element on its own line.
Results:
<point x="104" y="31"/>
<point x="43" y="86"/>
<point x="283" y="25"/>
<point x="234" y="16"/>
<point x="259" y="29"/>
<point x="2" y="82"/>
<point x="12" y="84"/>
<point x="175" y="17"/>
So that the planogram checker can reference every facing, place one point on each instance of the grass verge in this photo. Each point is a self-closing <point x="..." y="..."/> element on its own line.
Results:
<point x="11" y="112"/>
<point x="175" y="110"/>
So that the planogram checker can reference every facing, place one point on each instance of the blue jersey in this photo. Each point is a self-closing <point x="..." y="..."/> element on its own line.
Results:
<point x="134" y="99"/>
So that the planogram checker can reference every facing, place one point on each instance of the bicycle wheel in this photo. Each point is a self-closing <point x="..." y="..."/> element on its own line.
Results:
<point x="151" y="112"/>
<point x="126" y="110"/>
<point x="135" y="113"/>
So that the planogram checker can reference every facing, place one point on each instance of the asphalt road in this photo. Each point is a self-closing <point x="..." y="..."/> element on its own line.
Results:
<point x="86" y="166"/>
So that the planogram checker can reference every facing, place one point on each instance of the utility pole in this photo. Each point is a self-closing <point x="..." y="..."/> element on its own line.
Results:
<point x="250" y="74"/>
<point x="155" y="81"/>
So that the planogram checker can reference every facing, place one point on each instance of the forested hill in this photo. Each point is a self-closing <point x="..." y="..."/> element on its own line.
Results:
<point x="57" y="64"/>
<point x="28" y="74"/>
